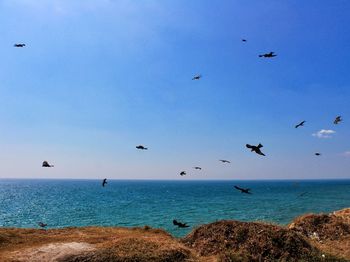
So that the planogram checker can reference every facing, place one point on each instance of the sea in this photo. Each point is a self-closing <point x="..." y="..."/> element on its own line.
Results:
<point x="136" y="203"/>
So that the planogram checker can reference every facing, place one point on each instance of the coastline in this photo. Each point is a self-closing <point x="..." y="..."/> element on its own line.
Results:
<point x="311" y="237"/>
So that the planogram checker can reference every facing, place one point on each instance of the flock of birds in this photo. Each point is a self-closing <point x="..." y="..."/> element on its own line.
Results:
<point x="256" y="149"/>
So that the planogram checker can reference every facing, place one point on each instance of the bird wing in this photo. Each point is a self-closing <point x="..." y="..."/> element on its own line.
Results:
<point x="258" y="151"/>
<point x="239" y="188"/>
<point x="300" y="124"/>
<point x="248" y="146"/>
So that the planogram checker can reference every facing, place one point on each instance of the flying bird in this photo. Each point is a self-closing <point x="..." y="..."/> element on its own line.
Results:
<point x="197" y="77"/>
<point x="337" y="120"/>
<point x="141" y="147"/>
<point x="197" y="167"/>
<point x="300" y="124"/>
<point x="19" y="45"/>
<point x="104" y="182"/>
<point x="256" y="149"/>
<point x="268" y="55"/>
<point x="179" y="224"/>
<point x="317" y="154"/>
<point x="244" y="40"/>
<point x="224" y="161"/>
<point x="182" y="173"/>
<point x="46" y="164"/>
<point x="243" y="190"/>
<point x="302" y="194"/>
<point x="42" y="225"/>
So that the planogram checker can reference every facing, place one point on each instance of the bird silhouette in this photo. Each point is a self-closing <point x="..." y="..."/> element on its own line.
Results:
<point x="104" y="182"/>
<point x="302" y="194"/>
<point x="141" y="147"/>
<point x="268" y="55"/>
<point x="179" y="224"/>
<point x="46" y="164"/>
<point x="42" y="225"/>
<point x="19" y="45"/>
<point x="182" y="173"/>
<point x="256" y="149"/>
<point x="337" y="120"/>
<point x="244" y="40"/>
<point x="300" y="124"/>
<point x="224" y="161"/>
<point x="197" y="167"/>
<point x="197" y="77"/>
<point x="243" y="190"/>
<point x="317" y="154"/>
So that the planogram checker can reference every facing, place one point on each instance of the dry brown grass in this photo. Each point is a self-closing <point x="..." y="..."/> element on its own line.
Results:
<point x="135" y="249"/>
<point x="328" y="232"/>
<point x="321" y="226"/>
<point x="116" y="244"/>
<point x="243" y="241"/>
<point x="344" y="214"/>
<point x="223" y="241"/>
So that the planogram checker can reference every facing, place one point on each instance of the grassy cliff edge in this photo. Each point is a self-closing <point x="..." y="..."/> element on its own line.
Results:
<point x="312" y="237"/>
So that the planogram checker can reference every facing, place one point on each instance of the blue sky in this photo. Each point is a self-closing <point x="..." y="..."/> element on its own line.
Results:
<point x="98" y="78"/>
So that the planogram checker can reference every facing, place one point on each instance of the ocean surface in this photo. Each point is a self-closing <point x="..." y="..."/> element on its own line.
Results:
<point x="63" y="203"/>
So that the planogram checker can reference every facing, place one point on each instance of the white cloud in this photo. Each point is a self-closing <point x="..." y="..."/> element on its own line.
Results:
<point x="324" y="133"/>
<point x="346" y="153"/>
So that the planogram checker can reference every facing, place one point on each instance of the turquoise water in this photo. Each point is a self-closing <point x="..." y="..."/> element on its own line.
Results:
<point x="62" y="203"/>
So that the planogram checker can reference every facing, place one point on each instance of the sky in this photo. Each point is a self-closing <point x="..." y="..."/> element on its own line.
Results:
<point x="98" y="78"/>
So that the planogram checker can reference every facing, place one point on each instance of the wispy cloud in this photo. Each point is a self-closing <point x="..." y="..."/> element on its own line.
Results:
<point x="324" y="133"/>
<point x="346" y="154"/>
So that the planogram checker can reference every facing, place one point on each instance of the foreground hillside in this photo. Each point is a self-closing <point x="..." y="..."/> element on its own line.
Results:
<point x="323" y="237"/>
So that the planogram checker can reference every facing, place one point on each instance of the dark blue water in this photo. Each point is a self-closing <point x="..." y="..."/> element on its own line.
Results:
<point x="62" y="203"/>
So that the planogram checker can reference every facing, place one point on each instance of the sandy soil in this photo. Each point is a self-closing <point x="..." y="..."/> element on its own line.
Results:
<point x="51" y="252"/>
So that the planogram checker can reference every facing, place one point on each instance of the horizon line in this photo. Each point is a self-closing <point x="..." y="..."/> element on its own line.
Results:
<point x="178" y="180"/>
